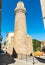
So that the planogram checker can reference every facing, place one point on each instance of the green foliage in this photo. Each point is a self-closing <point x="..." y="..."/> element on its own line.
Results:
<point x="36" y="45"/>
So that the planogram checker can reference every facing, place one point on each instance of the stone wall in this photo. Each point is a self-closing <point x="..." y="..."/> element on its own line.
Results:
<point x="42" y="44"/>
<point x="19" y="40"/>
<point x="29" y="45"/>
<point x="9" y="43"/>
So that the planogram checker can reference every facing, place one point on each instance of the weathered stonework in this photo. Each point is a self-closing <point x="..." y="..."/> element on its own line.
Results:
<point x="29" y="45"/>
<point x="22" y="43"/>
<point x="20" y="29"/>
<point x="19" y="40"/>
<point x="42" y="44"/>
<point x="9" y="43"/>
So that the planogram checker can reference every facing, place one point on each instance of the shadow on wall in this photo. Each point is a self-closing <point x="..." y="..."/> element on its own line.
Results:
<point x="14" y="53"/>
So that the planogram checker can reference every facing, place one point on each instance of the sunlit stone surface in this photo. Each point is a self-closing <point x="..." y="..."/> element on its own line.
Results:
<point x="9" y="43"/>
<point x="43" y="10"/>
<point x="20" y="29"/>
<point x="19" y="40"/>
<point x="42" y="44"/>
<point x="22" y="45"/>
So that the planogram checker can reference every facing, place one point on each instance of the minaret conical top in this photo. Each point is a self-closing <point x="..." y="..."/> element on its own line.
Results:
<point x="20" y="7"/>
<point x="20" y="4"/>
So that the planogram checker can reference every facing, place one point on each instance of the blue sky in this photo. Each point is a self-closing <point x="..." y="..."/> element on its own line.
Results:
<point x="34" y="20"/>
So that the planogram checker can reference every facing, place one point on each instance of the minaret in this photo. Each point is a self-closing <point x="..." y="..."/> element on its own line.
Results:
<point x="0" y="25"/>
<point x="20" y="29"/>
<point x="43" y="10"/>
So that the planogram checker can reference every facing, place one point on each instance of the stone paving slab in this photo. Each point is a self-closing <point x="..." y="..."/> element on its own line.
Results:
<point x="6" y="59"/>
<point x="22" y="62"/>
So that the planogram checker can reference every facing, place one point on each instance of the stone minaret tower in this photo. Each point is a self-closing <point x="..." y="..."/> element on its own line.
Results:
<point x="20" y="29"/>
<point x="43" y="10"/>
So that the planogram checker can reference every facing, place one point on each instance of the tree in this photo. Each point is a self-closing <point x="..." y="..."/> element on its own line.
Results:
<point x="36" y="45"/>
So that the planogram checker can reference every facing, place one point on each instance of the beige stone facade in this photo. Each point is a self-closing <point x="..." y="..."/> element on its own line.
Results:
<point x="19" y="40"/>
<point x="29" y="44"/>
<point x="9" y="43"/>
<point x="42" y="44"/>
<point x="20" y="36"/>
<point x="43" y="10"/>
<point x="20" y="29"/>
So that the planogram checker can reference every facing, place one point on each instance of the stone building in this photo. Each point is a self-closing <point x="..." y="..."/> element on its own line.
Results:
<point x="9" y="43"/>
<point x="42" y="45"/>
<point x="19" y="40"/>
<point x="43" y="10"/>
<point x="22" y="43"/>
<point x="29" y="44"/>
<point x="20" y="29"/>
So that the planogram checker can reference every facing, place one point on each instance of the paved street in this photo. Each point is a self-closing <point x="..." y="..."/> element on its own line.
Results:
<point x="6" y="59"/>
<point x="22" y="62"/>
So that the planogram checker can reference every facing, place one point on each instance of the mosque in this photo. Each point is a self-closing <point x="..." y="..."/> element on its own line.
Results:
<point x="19" y="41"/>
<point x="42" y="2"/>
